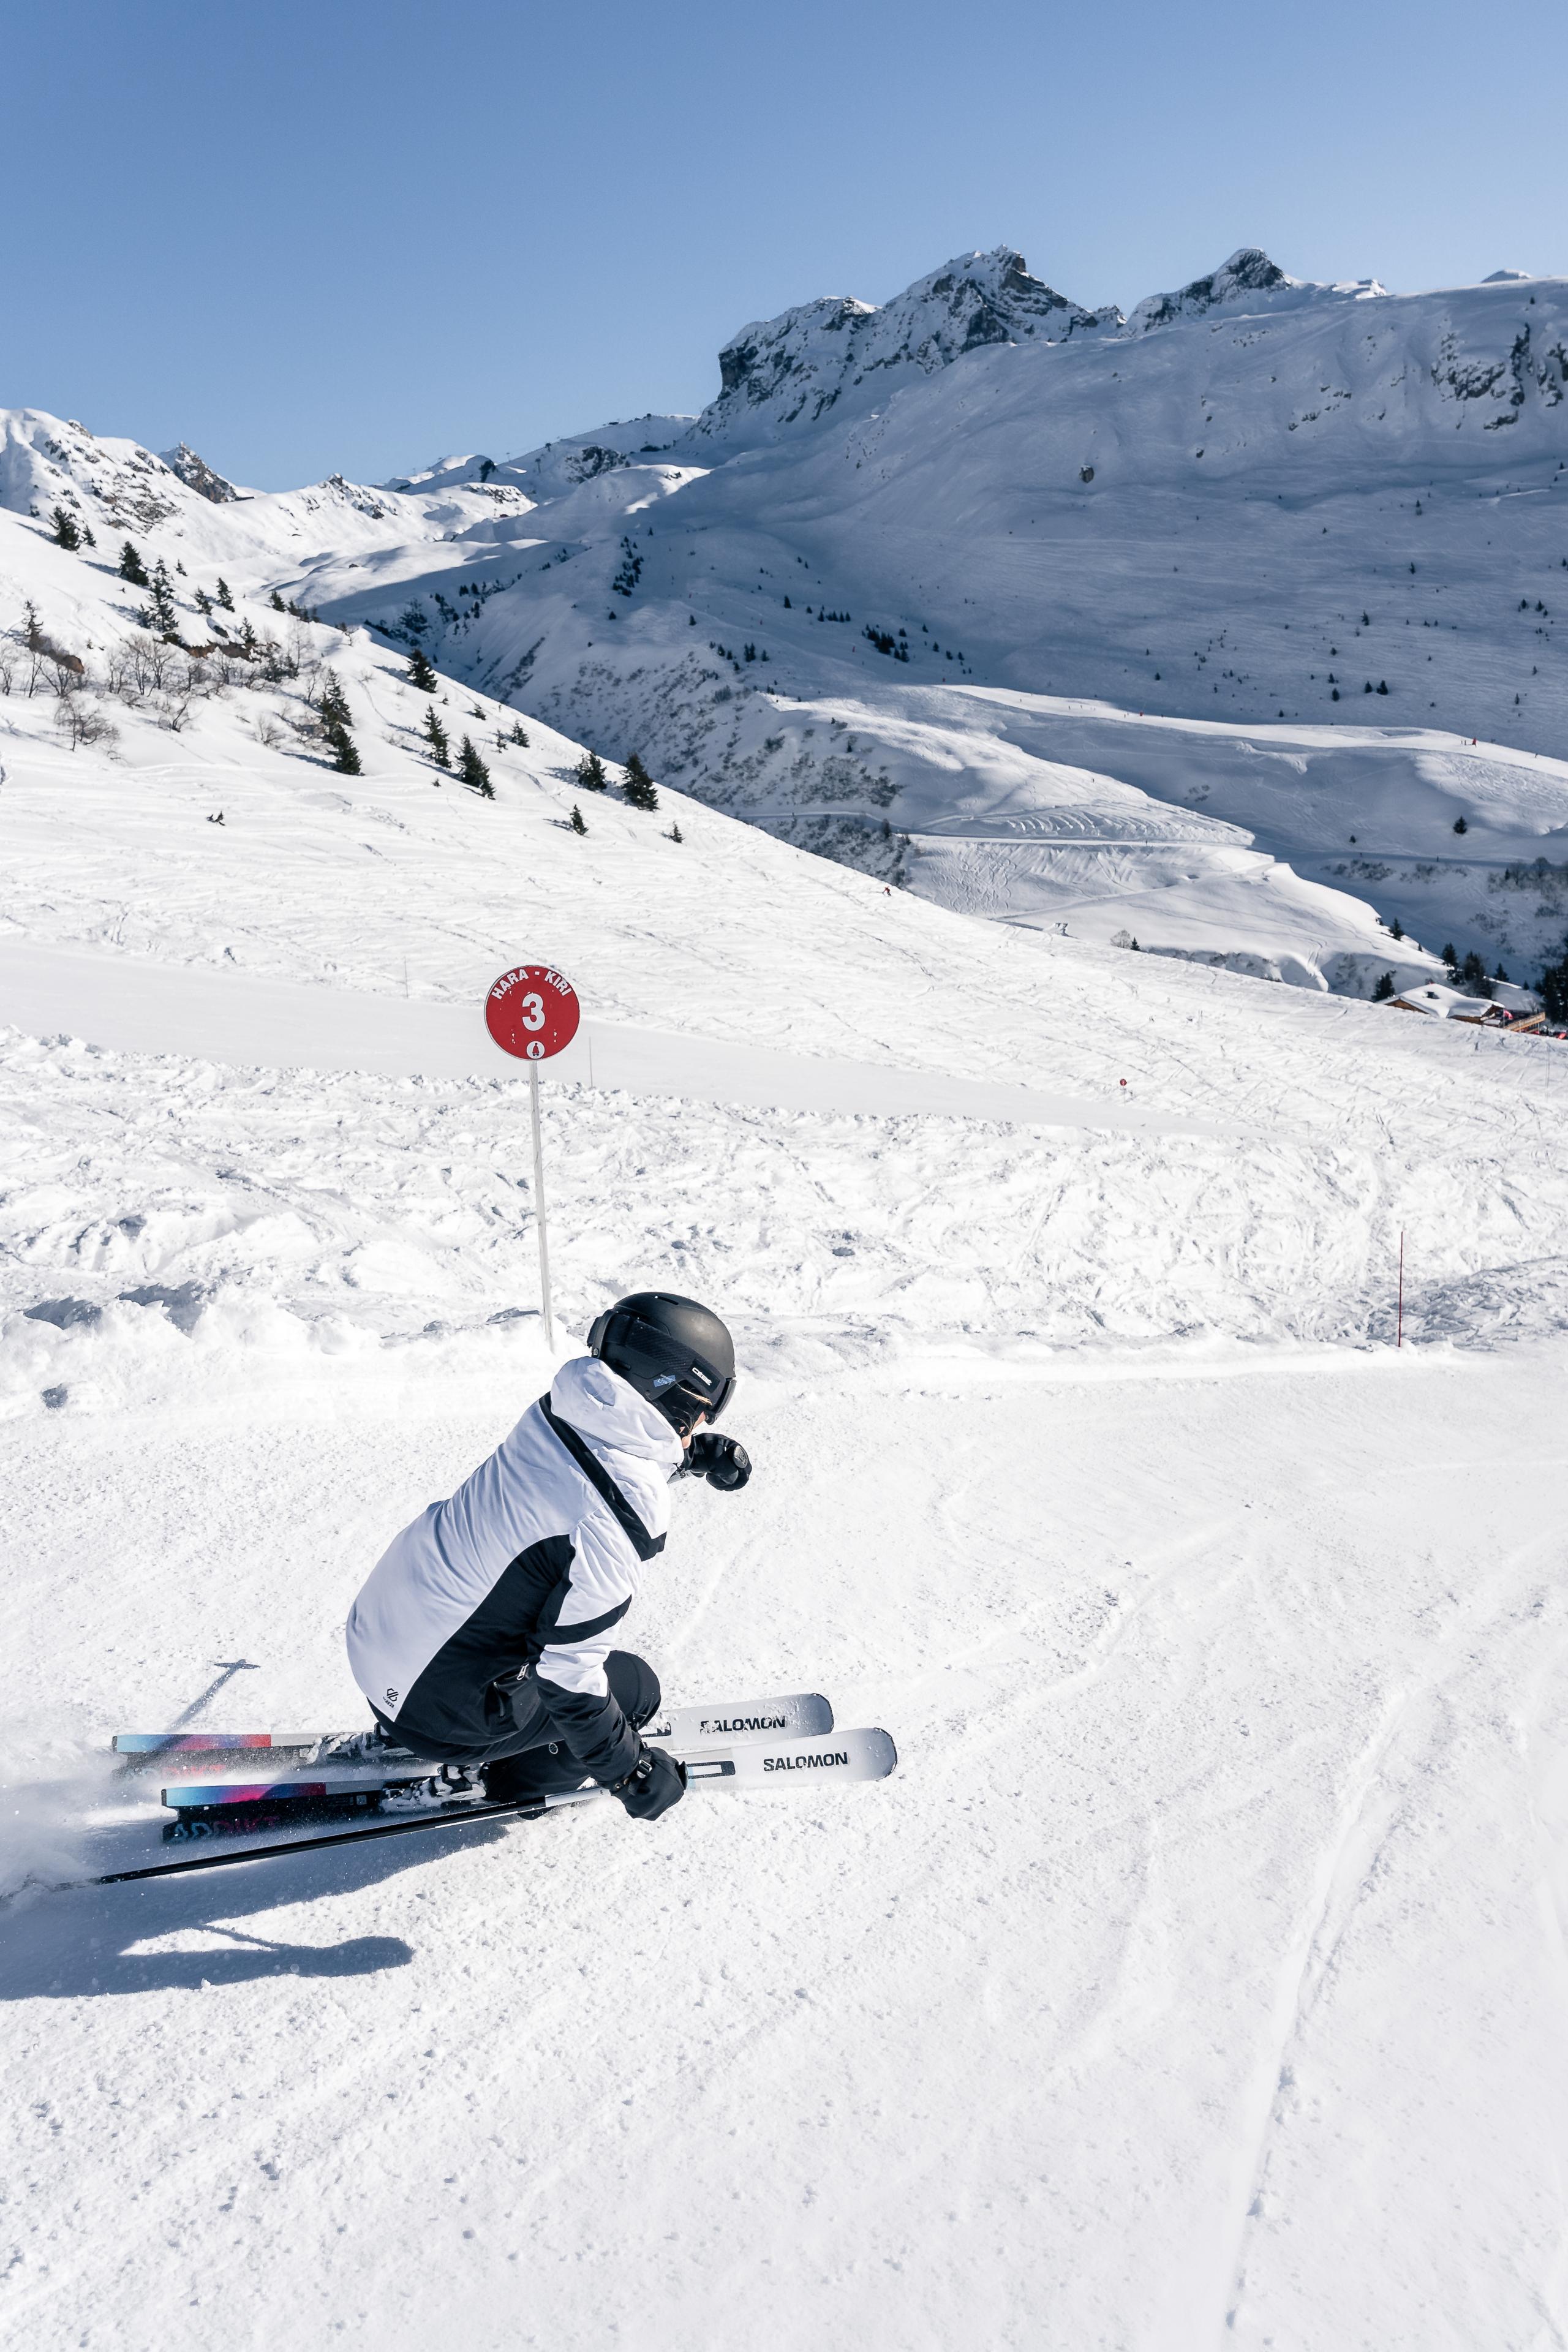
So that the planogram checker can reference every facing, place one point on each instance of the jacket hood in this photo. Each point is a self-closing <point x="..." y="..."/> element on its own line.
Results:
<point x="608" y="1411"/>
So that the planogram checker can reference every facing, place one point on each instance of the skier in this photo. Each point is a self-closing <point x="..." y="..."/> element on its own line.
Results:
<point x="482" y="1634"/>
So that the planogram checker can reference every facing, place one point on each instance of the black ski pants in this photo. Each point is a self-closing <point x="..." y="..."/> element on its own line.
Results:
<point x="532" y="1759"/>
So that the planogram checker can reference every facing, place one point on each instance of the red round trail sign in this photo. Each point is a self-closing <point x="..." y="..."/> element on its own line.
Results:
<point x="532" y="1012"/>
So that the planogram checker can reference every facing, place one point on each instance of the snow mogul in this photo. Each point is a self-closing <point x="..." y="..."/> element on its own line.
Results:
<point x="483" y="1636"/>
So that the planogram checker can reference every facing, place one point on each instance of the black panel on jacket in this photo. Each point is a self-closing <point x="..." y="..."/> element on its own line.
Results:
<point x="455" y="1709"/>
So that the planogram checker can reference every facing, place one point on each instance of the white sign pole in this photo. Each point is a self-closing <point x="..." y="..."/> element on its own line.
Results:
<point x="532" y="1012"/>
<point x="539" y="1208"/>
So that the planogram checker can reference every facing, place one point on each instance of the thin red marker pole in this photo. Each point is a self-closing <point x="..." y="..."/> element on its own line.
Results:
<point x="1399" y="1341"/>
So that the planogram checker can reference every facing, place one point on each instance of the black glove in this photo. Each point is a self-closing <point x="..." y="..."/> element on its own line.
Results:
<point x="655" y="1782"/>
<point x="722" y="1461"/>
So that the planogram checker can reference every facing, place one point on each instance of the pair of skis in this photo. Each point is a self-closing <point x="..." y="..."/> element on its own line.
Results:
<point x="781" y="1742"/>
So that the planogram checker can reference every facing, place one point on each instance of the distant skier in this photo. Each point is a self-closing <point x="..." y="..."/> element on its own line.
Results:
<point x="482" y="1635"/>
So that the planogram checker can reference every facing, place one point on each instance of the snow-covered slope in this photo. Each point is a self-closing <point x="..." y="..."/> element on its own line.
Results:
<point x="1221" y="1639"/>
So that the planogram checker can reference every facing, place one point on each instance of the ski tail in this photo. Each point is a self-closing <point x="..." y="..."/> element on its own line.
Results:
<point x="155" y="1744"/>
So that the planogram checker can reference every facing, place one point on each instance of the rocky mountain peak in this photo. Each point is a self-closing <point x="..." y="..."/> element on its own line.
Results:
<point x="1247" y="279"/>
<point x="791" y="371"/>
<point x="197" y="475"/>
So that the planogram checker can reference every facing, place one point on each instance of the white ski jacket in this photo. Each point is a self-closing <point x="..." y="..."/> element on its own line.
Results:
<point x="504" y="1598"/>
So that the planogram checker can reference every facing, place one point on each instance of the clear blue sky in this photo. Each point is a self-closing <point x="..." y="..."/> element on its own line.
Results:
<point x="325" y="237"/>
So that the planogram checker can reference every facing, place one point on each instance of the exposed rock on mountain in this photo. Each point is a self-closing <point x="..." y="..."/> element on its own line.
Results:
<point x="197" y="475"/>
<point x="44" y="461"/>
<point x="1249" y="271"/>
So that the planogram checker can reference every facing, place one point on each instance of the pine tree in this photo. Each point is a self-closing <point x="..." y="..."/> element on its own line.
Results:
<point x="1449" y="959"/>
<point x="474" y="773"/>
<point x="277" y="603"/>
<point x="1460" y="825"/>
<point x="87" y="538"/>
<point x="225" y="593"/>
<point x="519" y="735"/>
<point x="591" y="773"/>
<point x="332" y="703"/>
<point x="160" y="612"/>
<point x="203" y="604"/>
<point x="437" y="737"/>
<point x="1396" y="928"/>
<point x="676" y="834"/>
<point x="641" y="791"/>
<point x="67" y="534"/>
<point x="345" y="757"/>
<point x="1554" y="988"/>
<point x="420" y="674"/>
<point x="248" y="640"/>
<point x="577" y="823"/>
<point x="1383" y="988"/>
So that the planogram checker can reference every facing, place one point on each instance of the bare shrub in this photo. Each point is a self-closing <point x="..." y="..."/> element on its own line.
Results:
<point x="267" y="732"/>
<point x="83" y="720"/>
<point x="188" y="683"/>
<point x="141" y="665"/>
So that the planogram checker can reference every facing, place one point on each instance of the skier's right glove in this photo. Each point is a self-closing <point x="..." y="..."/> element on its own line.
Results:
<point x="720" y="1460"/>
<point x="655" y="1782"/>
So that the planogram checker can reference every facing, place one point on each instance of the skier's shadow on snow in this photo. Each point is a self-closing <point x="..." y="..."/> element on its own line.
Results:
<point x="81" y="1943"/>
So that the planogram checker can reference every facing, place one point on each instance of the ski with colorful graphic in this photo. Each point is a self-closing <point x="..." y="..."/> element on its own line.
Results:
<point x="801" y="1714"/>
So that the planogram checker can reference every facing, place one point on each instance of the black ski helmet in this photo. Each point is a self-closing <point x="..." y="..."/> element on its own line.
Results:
<point x="672" y="1352"/>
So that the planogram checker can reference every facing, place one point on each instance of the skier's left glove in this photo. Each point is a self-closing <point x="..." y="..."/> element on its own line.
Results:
<point x="655" y="1782"/>
<point x="723" y="1461"/>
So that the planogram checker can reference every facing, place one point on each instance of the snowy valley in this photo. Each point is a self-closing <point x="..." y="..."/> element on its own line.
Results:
<point x="1152" y="1373"/>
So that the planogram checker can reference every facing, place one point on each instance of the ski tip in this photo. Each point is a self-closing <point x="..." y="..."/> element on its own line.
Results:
<point x="880" y="1752"/>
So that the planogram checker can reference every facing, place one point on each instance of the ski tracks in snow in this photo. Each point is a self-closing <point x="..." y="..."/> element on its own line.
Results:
<point x="1393" y="1780"/>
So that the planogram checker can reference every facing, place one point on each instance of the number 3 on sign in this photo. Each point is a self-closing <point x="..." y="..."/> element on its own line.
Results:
<point x="532" y="1012"/>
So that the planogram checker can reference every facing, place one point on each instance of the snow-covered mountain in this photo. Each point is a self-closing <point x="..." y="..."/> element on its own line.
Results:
<point x="1227" y="626"/>
<point x="1262" y="509"/>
